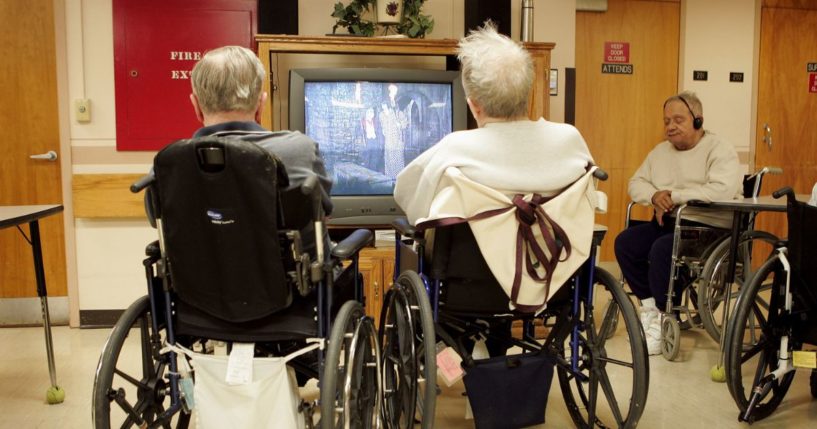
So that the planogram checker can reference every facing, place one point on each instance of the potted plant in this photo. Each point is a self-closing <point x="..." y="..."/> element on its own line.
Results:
<point x="349" y="17"/>
<point x="411" y="22"/>
<point x="414" y="24"/>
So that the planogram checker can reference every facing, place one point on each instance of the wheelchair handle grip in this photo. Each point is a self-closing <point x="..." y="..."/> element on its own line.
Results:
<point x="774" y="170"/>
<point x="143" y="183"/>
<point x="311" y="188"/>
<point x="600" y="174"/>
<point x="783" y="191"/>
<point x="309" y="185"/>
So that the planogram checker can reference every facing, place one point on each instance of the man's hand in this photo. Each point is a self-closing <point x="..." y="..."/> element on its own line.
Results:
<point x="662" y="201"/>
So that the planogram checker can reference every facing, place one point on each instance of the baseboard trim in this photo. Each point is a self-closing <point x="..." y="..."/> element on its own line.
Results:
<point x="28" y="311"/>
<point x="98" y="318"/>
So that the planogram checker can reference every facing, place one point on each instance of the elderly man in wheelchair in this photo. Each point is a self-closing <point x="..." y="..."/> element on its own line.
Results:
<point x="500" y="229"/>
<point x="242" y="297"/>
<point x="691" y="164"/>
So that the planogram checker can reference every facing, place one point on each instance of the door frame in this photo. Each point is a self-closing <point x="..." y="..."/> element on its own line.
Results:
<point x="66" y="164"/>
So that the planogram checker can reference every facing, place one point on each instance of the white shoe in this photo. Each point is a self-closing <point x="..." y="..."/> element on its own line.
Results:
<point x="651" y="322"/>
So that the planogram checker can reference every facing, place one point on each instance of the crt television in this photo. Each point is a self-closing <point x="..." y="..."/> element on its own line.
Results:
<point x="369" y="123"/>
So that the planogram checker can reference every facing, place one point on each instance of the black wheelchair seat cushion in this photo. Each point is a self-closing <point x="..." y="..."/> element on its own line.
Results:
<point x="218" y="202"/>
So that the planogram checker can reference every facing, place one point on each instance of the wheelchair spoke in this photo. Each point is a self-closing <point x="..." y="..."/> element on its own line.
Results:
<point x="607" y="387"/>
<point x="759" y="317"/>
<point x="615" y="361"/>
<point x="750" y="353"/>
<point x="760" y="371"/>
<point x="761" y="302"/>
<point x="593" y="390"/>
<point x="607" y="325"/>
<point x="130" y="379"/>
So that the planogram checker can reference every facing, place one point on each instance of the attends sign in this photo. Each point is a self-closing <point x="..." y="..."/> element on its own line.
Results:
<point x="156" y="44"/>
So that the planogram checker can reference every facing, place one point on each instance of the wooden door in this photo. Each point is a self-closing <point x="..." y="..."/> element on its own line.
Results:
<point x="29" y="122"/>
<point x="620" y="115"/>
<point x="788" y="43"/>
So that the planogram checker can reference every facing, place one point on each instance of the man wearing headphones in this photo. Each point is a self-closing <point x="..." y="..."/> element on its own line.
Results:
<point x="691" y="164"/>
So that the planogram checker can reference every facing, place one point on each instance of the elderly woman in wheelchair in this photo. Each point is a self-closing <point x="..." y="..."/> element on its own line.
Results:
<point x="511" y="206"/>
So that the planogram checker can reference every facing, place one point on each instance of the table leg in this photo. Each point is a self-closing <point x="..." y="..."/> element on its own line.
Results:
<point x="718" y="372"/>
<point x="737" y="217"/>
<point x="54" y="395"/>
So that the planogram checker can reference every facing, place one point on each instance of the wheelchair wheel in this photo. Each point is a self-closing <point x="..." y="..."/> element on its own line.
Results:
<point x="409" y="361"/>
<point x="130" y="384"/>
<point x="713" y="288"/>
<point x="753" y="340"/>
<point x="350" y="386"/>
<point x="601" y="359"/>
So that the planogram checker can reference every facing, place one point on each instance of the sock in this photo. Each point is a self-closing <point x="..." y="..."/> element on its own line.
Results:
<point x="648" y="303"/>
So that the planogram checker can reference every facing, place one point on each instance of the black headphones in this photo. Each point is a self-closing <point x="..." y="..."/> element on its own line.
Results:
<point x="697" y="122"/>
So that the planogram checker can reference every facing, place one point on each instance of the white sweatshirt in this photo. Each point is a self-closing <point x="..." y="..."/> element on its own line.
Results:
<point x="709" y="171"/>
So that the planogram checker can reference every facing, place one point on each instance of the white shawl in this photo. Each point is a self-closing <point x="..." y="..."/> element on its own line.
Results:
<point x="573" y="210"/>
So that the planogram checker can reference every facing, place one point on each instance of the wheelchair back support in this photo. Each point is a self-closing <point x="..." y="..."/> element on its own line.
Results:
<point x="468" y="284"/>
<point x="802" y="254"/>
<point x="218" y="201"/>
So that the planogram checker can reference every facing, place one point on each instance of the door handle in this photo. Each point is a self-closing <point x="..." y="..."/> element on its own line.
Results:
<point x="767" y="135"/>
<point x="48" y="156"/>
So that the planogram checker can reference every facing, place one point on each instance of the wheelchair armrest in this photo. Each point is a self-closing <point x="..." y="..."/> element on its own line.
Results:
<point x="352" y="244"/>
<point x="143" y="182"/>
<point x="405" y="229"/>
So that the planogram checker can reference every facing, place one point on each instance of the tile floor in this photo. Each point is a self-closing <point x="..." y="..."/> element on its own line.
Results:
<point x="681" y="394"/>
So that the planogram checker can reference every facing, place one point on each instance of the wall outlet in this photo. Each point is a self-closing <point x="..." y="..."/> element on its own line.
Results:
<point x="82" y="109"/>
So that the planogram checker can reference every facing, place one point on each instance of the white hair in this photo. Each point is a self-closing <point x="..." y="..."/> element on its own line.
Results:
<point x="228" y="79"/>
<point x="497" y="72"/>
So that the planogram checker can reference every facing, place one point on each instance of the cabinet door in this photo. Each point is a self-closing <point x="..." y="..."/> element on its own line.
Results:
<point x="388" y="271"/>
<point x="372" y="271"/>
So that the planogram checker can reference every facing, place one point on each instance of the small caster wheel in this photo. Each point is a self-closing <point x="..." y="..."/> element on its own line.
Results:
<point x="670" y="337"/>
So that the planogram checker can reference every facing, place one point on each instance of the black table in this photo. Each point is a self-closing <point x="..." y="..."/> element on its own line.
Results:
<point x="742" y="208"/>
<point x="15" y="216"/>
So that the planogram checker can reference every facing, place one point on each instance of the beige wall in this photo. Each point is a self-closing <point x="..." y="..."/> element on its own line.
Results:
<point x="109" y="252"/>
<point x="719" y="37"/>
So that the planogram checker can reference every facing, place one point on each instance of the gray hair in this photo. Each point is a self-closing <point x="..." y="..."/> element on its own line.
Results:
<point x="497" y="72"/>
<point x="228" y="79"/>
<point x="691" y="100"/>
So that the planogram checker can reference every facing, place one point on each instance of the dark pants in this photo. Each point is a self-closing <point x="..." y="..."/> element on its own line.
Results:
<point x="644" y="253"/>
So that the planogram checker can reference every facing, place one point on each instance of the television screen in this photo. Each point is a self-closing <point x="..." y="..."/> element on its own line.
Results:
<point x="369" y="131"/>
<point x="369" y="124"/>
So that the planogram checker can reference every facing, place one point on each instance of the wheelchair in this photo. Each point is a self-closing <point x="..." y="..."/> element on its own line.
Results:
<point x="716" y="295"/>
<point x="700" y="261"/>
<point x="230" y="267"/>
<point x="601" y="364"/>
<point x="775" y="317"/>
